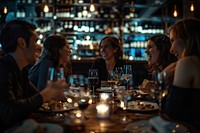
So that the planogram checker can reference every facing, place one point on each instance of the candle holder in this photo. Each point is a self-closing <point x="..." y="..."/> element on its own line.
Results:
<point x="104" y="97"/>
<point x="102" y="110"/>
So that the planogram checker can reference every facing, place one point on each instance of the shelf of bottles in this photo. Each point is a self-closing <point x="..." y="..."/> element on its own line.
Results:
<point x="84" y="29"/>
<point x="32" y="10"/>
<point x="136" y="34"/>
<point x="136" y="31"/>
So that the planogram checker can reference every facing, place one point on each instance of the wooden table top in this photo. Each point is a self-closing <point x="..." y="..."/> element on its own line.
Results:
<point x="116" y="123"/>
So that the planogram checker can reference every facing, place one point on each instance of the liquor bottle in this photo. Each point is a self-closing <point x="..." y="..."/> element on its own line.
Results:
<point x="79" y="13"/>
<point x="75" y="26"/>
<point x="85" y="12"/>
<point x="92" y="28"/>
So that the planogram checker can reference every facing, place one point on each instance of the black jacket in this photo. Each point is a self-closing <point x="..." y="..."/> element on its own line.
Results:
<point x="18" y="97"/>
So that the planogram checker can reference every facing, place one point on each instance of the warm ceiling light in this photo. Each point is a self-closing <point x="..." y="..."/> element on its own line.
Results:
<point x="46" y="8"/>
<point x="192" y="7"/>
<point x="5" y="10"/>
<point x="92" y="7"/>
<point x="175" y="12"/>
<point x="132" y="9"/>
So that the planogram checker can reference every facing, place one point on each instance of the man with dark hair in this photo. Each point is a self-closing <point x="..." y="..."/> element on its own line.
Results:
<point x="18" y="97"/>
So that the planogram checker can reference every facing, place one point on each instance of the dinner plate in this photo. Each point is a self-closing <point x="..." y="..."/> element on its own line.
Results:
<point x="104" y="89"/>
<point x="141" y="92"/>
<point x="66" y="107"/>
<point x="142" y="106"/>
<point x="144" y="126"/>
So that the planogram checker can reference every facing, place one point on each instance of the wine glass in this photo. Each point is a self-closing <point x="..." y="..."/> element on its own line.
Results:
<point x="124" y="96"/>
<point x="127" y="75"/>
<point x="52" y="75"/>
<point x="118" y="74"/>
<point x="111" y="80"/>
<point x="93" y="79"/>
<point x="159" y="91"/>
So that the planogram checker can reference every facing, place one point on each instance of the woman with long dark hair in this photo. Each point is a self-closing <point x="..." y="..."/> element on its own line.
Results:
<point x="55" y="54"/>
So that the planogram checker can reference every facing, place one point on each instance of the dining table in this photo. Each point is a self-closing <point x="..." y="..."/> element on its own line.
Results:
<point x="116" y="122"/>
<point x="119" y="120"/>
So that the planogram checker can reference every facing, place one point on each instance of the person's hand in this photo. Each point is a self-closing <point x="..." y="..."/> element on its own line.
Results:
<point x="54" y="90"/>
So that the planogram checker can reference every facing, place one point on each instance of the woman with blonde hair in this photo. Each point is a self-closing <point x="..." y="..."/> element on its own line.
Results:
<point x="184" y="98"/>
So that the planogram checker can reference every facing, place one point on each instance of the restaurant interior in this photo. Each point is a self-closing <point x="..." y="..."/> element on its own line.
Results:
<point x="84" y="23"/>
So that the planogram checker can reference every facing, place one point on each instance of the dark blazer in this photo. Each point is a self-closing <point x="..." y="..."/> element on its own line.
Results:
<point x="100" y="64"/>
<point x="18" y="97"/>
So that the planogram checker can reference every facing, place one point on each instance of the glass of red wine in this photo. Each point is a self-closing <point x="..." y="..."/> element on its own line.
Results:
<point x="93" y="80"/>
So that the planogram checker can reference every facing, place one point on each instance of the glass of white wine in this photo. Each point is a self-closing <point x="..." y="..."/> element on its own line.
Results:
<point x="127" y="75"/>
<point x="118" y="74"/>
<point x="112" y="81"/>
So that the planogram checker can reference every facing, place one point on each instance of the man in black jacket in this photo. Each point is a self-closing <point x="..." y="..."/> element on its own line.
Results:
<point x="18" y="97"/>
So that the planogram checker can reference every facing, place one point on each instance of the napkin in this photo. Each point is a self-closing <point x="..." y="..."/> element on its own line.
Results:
<point x="159" y="124"/>
<point x="31" y="126"/>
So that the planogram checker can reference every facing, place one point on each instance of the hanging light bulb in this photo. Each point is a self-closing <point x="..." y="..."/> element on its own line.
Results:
<point x="192" y="7"/>
<point x="175" y="12"/>
<point x="132" y="9"/>
<point x="46" y="8"/>
<point x="92" y="7"/>
<point x="5" y="10"/>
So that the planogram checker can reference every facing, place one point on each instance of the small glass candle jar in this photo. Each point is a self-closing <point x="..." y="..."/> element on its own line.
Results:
<point x="104" y="97"/>
<point x="103" y="110"/>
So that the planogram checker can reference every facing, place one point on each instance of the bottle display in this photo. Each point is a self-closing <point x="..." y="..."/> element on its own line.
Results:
<point x="84" y="28"/>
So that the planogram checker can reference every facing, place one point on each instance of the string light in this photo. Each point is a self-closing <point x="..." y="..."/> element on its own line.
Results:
<point x="92" y="7"/>
<point x="175" y="12"/>
<point x="132" y="9"/>
<point x="5" y="10"/>
<point x="192" y="7"/>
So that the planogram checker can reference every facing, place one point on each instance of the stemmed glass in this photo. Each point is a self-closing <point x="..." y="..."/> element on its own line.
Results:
<point x="93" y="79"/>
<point x="52" y="76"/>
<point x="111" y="80"/>
<point x="124" y="96"/>
<point x="127" y="75"/>
<point x="118" y="74"/>
<point x="160" y="88"/>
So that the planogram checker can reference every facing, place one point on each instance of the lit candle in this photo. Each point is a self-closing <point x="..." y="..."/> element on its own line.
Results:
<point x="103" y="110"/>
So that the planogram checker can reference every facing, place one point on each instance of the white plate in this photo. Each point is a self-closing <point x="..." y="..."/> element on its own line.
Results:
<point x="67" y="107"/>
<point x="141" y="92"/>
<point x="142" y="106"/>
<point x="145" y="127"/>
<point x="104" y="89"/>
